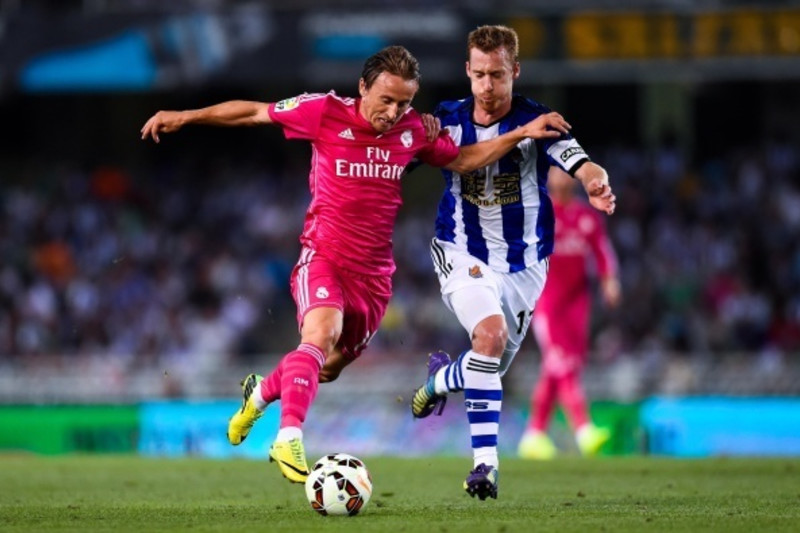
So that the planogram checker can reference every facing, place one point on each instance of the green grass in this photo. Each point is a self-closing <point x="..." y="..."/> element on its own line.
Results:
<point x="122" y="494"/>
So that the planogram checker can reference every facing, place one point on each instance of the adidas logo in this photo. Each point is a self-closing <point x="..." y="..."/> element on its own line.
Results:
<point x="347" y="134"/>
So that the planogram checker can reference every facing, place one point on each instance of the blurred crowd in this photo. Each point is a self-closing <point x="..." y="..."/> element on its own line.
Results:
<point x="157" y="265"/>
<point x="710" y="252"/>
<point x="184" y="263"/>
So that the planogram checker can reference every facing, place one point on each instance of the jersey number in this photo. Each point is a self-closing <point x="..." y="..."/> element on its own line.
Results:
<point x="521" y="318"/>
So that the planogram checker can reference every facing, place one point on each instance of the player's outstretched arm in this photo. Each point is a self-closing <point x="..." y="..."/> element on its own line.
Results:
<point x="594" y="179"/>
<point x="611" y="291"/>
<point x="232" y="113"/>
<point x="478" y="155"/>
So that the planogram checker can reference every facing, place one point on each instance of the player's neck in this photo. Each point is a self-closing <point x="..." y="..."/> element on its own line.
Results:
<point x="484" y="118"/>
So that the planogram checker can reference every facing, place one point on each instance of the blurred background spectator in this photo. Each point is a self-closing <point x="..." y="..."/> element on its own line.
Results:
<point x="175" y="258"/>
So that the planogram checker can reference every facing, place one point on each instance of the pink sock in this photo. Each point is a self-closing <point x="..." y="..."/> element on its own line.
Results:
<point x="542" y="403"/>
<point x="299" y="381"/>
<point x="573" y="399"/>
<point x="271" y="385"/>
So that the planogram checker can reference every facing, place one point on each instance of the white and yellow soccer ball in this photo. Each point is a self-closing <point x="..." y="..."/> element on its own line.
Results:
<point x="339" y="484"/>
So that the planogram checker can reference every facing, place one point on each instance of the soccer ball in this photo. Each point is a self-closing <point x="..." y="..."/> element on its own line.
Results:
<point x="339" y="484"/>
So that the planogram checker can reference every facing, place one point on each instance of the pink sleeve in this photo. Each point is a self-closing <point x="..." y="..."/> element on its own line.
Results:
<point x="300" y="115"/>
<point x="440" y="152"/>
<point x="603" y="250"/>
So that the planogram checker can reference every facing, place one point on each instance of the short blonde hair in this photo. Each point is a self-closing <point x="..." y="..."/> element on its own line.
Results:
<point x="490" y="38"/>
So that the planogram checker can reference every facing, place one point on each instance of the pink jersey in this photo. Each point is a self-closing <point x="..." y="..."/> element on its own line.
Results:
<point x="355" y="176"/>
<point x="563" y="308"/>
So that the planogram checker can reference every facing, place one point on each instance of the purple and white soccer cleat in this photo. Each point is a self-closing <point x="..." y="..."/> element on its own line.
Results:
<point x="482" y="482"/>
<point x="425" y="400"/>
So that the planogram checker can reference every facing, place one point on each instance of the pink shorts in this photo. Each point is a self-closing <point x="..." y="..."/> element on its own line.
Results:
<point x="563" y="337"/>
<point x="318" y="282"/>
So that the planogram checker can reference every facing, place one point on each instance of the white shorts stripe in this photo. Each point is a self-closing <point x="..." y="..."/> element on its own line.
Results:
<point x="302" y="279"/>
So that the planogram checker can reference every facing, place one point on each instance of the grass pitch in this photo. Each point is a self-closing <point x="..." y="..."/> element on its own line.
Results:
<point x="132" y="494"/>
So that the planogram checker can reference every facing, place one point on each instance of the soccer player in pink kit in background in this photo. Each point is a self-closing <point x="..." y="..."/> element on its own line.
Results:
<point x="561" y="320"/>
<point x="342" y="281"/>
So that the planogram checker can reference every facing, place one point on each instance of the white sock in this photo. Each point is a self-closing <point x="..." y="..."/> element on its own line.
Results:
<point x="257" y="399"/>
<point x="450" y="378"/>
<point x="483" y="398"/>
<point x="486" y="456"/>
<point x="289" y="433"/>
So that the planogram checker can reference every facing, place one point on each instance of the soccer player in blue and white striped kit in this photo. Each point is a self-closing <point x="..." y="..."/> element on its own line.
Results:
<point x="494" y="232"/>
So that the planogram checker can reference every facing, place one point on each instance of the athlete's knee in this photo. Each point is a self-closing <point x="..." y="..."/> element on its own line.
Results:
<point x="490" y="337"/>
<point x="322" y="336"/>
<point x="322" y="327"/>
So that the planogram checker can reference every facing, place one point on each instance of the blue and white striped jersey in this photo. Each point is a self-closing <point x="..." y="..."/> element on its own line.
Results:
<point x="501" y="214"/>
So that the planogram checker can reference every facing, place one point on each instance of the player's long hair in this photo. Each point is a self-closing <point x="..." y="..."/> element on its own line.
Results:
<point x="490" y="38"/>
<point x="395" y="60"/>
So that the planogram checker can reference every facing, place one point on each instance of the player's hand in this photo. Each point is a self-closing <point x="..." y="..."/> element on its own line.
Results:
<point x="549" y="126"/>
<point x="432" y="126"/>
<point x="601" y="197"/>
<point x="162" y="122"/>
<point x="611" y="291"/>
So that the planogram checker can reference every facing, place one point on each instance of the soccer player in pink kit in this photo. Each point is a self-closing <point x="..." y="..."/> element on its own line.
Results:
<point x="561" y="320"/>
<point x="342" y="281"/>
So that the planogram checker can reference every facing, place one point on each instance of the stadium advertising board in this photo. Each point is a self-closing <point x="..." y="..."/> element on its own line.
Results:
<point x="253" y="44"/>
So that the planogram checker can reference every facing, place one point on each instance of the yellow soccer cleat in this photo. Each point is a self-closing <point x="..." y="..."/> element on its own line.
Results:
<point x="291" y="459"/>
<point x="591" y="438"/>
<point x="536" y="445"/>
<point x="242" y="420"/>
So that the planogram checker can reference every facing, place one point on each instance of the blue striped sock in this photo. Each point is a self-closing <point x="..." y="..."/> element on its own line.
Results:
<point x="483" y="398"/>
<point x="450" y="378"/>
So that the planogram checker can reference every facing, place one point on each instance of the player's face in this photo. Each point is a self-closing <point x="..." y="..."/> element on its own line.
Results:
<point x="492" y="76"/>
<point x="386" y="100"/>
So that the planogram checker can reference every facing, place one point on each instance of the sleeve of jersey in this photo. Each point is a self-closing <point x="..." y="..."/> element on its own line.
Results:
<point x="440" y="152"/>
<point x="299" y="116"/>
<point x="567" y="154"/>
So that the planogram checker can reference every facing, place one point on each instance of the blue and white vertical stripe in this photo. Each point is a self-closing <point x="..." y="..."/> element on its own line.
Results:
<point x="454" y="376"/>
<point x="501" y="214"/>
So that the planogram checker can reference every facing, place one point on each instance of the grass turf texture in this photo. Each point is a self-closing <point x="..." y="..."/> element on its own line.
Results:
<point x="123" y="493"/>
